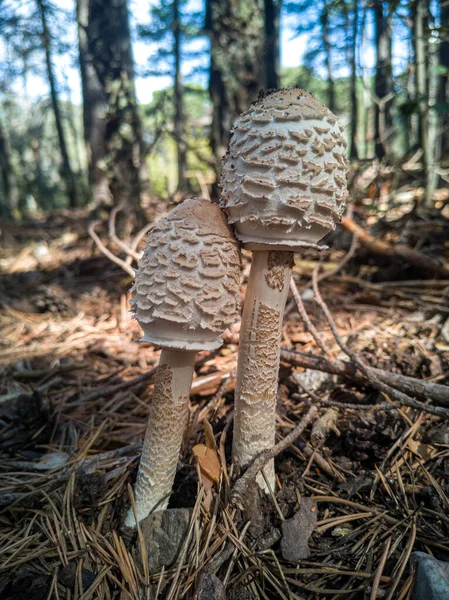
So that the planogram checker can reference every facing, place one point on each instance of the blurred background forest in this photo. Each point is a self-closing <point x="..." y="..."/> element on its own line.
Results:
<point x="74" y="132"/>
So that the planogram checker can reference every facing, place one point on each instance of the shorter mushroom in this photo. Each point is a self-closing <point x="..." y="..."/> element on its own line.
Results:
<point x="186" y="293"/>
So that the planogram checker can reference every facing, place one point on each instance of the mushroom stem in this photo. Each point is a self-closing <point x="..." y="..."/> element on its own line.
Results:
<point x="163" y="437"/>
<point x="259" y="355"/>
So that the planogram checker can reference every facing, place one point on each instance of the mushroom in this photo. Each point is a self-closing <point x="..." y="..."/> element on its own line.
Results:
<point x="185" y="295"/>
<point x="283" y="188"/>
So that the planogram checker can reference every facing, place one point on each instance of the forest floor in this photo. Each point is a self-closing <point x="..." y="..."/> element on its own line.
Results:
<point x="75" y="385"/>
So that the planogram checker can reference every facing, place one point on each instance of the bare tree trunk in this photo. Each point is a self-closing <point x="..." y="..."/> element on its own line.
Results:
<point x="236" y="31"/>
<point x="272" y="55"/>
<point x="353" y="153"/>
<point x="8" y="181"/>
<point x="327" y="57"/>
<point x="94" y="109"/>
<point x="383" y="83"/>
<point x="443" y="91"/>
<point x="67" y="173"/>
<point x="433" y="145"/>
<point x="426" y="91"/>
<point x="179" y="92"/>
<point x="109" y="45"/>
<point x="420" y="24"/>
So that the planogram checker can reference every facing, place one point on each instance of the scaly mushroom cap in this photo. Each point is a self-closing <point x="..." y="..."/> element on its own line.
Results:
<point x="284" y="176"/>
<point x="188" y="279"/>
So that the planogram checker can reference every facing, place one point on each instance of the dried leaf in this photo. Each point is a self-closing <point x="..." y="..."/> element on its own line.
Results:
<point x="208" y="462"/>
<point x="425" y="451"/>
<point x="209" y="435"/>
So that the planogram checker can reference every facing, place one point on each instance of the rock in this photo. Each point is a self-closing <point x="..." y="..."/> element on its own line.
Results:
<point x="315" y="381"/>
<point x="297" y="531"/>
<point x="438" y="435"/>
<point x="432" y="578"/>
<point x="26" y="583"/>
<point x="210" y="588"/>
<point x="240" y="593"/>
<point x="164" y="532"/>
<point x="67" y="576"/>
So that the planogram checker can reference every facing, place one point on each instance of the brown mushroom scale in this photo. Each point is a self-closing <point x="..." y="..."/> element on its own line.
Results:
<point x="284" y="189"/>
<point x="185" y="295"/>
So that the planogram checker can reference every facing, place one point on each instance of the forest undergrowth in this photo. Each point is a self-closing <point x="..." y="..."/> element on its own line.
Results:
<point x="365" y="477"/>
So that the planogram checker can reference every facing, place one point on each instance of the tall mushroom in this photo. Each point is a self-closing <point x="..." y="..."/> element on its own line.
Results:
<point x="185" y="295"/>
<point x="283" y="188"/>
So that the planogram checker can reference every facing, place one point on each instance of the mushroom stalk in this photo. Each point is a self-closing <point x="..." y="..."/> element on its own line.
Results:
<point x="163" y="438"/>
<point x="259" y="356"/>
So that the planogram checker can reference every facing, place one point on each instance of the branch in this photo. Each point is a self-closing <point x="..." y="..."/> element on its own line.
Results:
<point x="423" y="261"/>
<point x="115" y="259"/>
<point x="112" y="234"/>
<point x="305" y="317"/>
<point x="419" y="388"/>
<point x="242" y="484"/>
<point x="396" y="395"/>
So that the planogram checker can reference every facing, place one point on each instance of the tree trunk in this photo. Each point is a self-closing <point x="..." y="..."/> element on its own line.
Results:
<point x="94" y="110"/>
<point x="353" y="153"/>
<point x="325" y="31"/>
<point x="383" y="82"/>
<point x="236" y="31"/>
<point x="179" y="92"/>
<point x="8" y="183"/>
<point x="443" y="91"/>
<point x="109" y="46"/>
<point x="420" y="25"/>
<point x="67" y="173"/>
<point x="426" y="95"/>
<point x="272" y="54"/>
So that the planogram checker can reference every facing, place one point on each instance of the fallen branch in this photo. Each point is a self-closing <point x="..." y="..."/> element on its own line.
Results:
<point x="305" y="317"/>
<point x="409" y="385"/>
<point x="423" y="261"/>
<point x="241" y="486"/>
<point x="378" y="384"/>
<point x="113" y="235"/>
<point x="115" y="259"/>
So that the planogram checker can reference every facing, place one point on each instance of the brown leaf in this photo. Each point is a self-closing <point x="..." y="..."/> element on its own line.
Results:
<point x="208" y="462"/>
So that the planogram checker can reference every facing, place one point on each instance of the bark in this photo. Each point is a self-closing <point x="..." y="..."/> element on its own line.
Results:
<point x="426" y="94"/>
<point x="8" y="181"/>
<point x="179" y="91"/>
<point x="67" y="172"/>
<point x="443" y="91"/>
<point x="325" y="31"/>
<point x="353" y="153"/>
<point x="272" y="53"/>
<point x="109" y="45"/>
<point x="94" y="110"/>
<point x="419" y="26"/>
<point x="236" y="31"/>
<point x="383" y="83"/>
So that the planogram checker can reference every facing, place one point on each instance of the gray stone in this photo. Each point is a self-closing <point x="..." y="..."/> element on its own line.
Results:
<point x="210" y="588"/>
<point x="432" y="578"/>
<point x="297" y="531"/>
<point x="164" y="532"/>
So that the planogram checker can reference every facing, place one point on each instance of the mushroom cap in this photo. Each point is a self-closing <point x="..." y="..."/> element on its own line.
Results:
<point x="188" y="280"/>
<point x="284" y="176"/>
